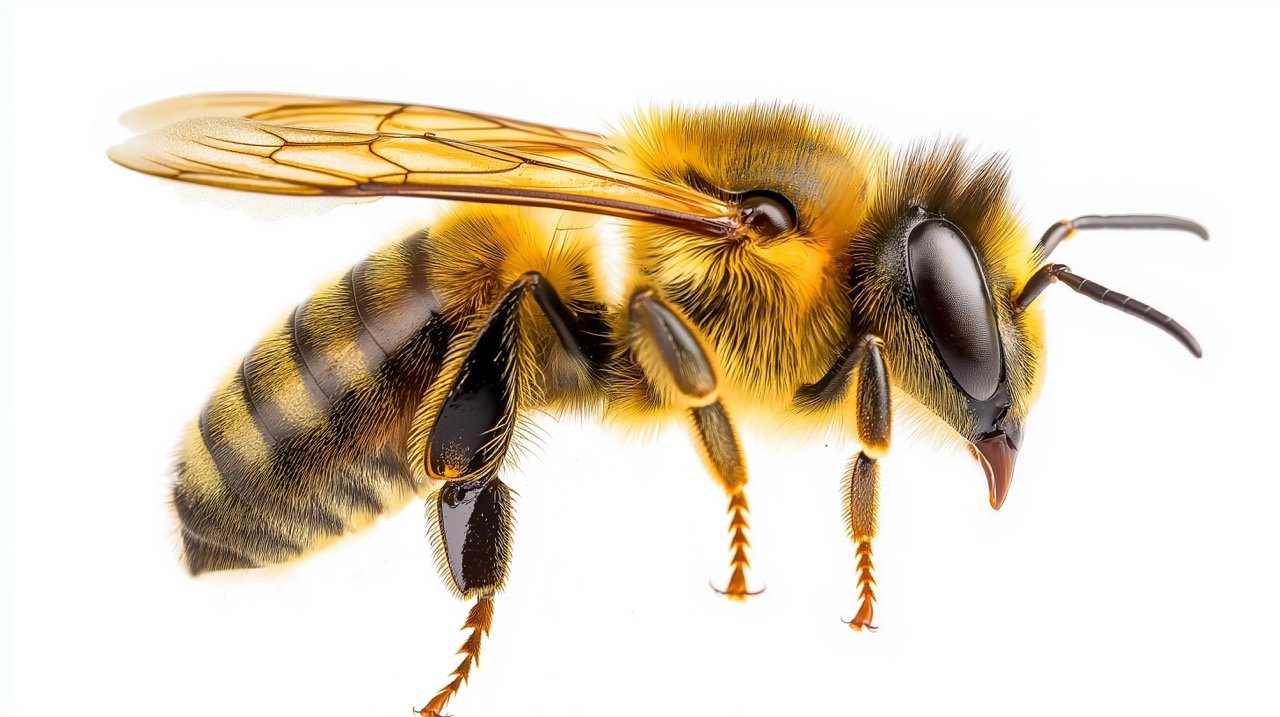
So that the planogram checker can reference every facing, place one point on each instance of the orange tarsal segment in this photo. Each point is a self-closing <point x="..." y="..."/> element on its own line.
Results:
<point x="478" y="620"/>
<point x="738" y="544"/>
<point x="866" y="585"/>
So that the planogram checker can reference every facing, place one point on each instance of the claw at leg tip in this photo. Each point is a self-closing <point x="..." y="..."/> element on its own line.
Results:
<point x="862" y="621"/>
<point x="736" y="591"/>
<point x="433" y="709"/>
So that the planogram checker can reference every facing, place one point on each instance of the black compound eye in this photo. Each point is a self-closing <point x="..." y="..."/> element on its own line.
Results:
<point x="952" y="296"/>
<point x="767" y="213"/>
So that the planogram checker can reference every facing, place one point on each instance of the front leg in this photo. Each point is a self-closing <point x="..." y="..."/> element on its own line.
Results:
<point x="678" y="366"/>
<point x="864" y="363"/>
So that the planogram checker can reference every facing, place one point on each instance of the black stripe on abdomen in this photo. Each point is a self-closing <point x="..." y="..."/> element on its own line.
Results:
<point x="267" y="412"/>
<point x="322" y="382"/>
<point x="310" y="429"/>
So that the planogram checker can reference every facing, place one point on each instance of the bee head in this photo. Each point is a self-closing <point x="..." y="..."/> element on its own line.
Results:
<point x="934" y="273"/>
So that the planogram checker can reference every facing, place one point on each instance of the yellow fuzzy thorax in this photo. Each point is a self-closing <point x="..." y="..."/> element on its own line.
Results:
<point x="774" y="313"/>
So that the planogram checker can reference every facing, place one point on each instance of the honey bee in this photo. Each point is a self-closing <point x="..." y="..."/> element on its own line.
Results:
<point x="780" y="265"/>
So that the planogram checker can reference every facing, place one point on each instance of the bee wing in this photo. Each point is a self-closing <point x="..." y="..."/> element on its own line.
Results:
<point x="361" y="149"/>
<point x="372" y="117"/>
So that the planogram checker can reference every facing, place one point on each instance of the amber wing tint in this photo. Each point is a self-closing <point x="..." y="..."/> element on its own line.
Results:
<point x="372" y="117"/>
<point x="346" y="148"/>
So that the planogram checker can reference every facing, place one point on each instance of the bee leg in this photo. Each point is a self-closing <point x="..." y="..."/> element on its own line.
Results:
<point x="473" y="529"/>
<point x="862" y="362"/>
<point x="677" y="364"/>
<point x="719" y="441"/>
<point x="863" y="476"/>
<point x="471" y="521"/>
<point x="478" y="620"/>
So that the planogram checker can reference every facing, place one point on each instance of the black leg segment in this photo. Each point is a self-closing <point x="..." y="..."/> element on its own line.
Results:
<point x="473" y="427"/>
<point x="474" y="518"/>
<point x="471" y="431"/>
<point x="584" y="336"/>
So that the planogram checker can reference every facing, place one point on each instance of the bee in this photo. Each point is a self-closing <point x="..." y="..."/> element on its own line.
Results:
<point x="779" y="266"/>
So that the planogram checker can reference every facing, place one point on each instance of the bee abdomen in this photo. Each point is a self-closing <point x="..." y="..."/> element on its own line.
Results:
<point x="307" y="439"/>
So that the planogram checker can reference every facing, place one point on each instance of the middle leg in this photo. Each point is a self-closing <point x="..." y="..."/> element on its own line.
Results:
<point x="678" y="366"/>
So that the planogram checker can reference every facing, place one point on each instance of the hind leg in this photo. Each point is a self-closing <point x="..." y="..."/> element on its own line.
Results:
<point x="471" y="519"/>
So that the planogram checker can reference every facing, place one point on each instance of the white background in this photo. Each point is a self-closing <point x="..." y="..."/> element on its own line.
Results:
<point x="1132" y="570"/>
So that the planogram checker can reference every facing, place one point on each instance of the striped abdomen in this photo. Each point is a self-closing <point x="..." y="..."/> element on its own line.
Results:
<point x="307" y="440"/>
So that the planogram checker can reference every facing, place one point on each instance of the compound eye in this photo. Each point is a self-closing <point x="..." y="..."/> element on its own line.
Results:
<point x="769" y="214"/>
<point x="952" y="296"/>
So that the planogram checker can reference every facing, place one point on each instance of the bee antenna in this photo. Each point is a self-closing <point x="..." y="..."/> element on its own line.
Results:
<point x="1063" y="229"/>
<point x="1050" y="273"/>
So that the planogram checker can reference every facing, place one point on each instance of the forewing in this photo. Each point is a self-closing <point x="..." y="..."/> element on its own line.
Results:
<point x="254" y="155"/>
<point x="373" y="117"/>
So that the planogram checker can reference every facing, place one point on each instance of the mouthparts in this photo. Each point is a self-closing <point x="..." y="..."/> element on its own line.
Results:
<point x="997" y="454"/>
